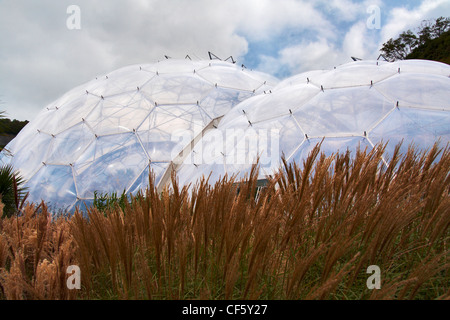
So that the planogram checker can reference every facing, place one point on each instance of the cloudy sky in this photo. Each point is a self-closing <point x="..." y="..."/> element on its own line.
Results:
<point x="45" y="50"/>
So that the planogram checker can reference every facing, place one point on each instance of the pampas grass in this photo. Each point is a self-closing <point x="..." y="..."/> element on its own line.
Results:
<point x="310" y="233"/>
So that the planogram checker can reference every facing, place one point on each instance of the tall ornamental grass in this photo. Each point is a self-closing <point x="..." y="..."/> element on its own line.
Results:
<point x="310" y="233"/>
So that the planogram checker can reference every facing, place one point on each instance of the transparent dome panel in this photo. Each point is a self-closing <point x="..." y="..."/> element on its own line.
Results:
<point x="54" y="185"/>
<point x="175" y="66"/>
<point x="419" y="66"/>
<point x="176" y="89"/>
<point x="302" y="78"/>
<point x="277" y="138"/>
<point x="68" y="114"/>
<point x="125" y="80"/>
<point x="421" y="90"/>
<point x="229" y="78"/>
<point x="421" y="127"/>
<point x="29" y="159"/>
<point x="112" y="164"/>
<point x="330" y="146"/>
<point x="158" y="169"/>
<point x="221" y="100"/>
<point x="281" y="102"/>
<point x="140" y="184"/>
<point x="118" y="115"/>
<point x="351" y="76"/>
<point x="68" y="145"/>
<point x="348" y="111"/>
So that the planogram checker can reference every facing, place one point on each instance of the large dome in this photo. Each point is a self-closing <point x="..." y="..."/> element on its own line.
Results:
<point x="359" y="104"/>
<point x="211" y="118"/>
<point x="106" y="135"/>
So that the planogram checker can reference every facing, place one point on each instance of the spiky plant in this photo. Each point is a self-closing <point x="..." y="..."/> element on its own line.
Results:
<point x="12" y="191"/>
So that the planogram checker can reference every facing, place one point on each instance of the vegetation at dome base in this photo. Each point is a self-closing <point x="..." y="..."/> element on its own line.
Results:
<point x="9" y="129"/>
<point x="431" y="42"/>
<point x="13" y="127"/>
<point x="12" y="191"/>
<point x="107" y="201"/>
<point x="311" y="233"/>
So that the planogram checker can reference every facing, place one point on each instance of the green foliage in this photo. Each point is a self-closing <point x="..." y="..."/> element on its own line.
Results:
<point x="11" y="190"/>
<point x="408" y="42"/>
<point x="436" y="50"/>
<point x="105" y="201"/>
<point x="11" y="127"/>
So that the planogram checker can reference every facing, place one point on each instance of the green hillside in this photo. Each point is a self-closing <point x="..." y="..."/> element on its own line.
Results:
<point x="431" y="41"/>
<point x="437" y="49"/>
<point x="9" y="129"/>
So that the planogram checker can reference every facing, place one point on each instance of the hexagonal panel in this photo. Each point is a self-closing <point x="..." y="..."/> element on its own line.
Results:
<point x="410" y="125"/>
<point x="330" y="146"/>
<point x="420" y="90"/>
<point x="55" y="186"/>
<point x="109" y="165"/>
<point x="29" y="159"/>
<point x="348" y="111"/>
<point x="67" y="146"/>
<point x="229" y="78"/>
<point x="217" y="102"/>
<point x="119" y="114"/>
<point x="176" y="89"/>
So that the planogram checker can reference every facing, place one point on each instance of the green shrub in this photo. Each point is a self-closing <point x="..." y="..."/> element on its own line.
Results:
<point x="11" y="190"/>
<point x="105" y="201"/>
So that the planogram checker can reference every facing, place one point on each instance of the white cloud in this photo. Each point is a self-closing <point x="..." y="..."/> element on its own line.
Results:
<point x="41" y="59"/>
<point x="261" y="19"/>
<point x="345" y="10"/>
<point x="269" y="64"/>
<point x="348" y="10"/>
<point x="307" y="56"/>
<point x="359" y="42"/>
<point x="401" y="19"/>
<point x="325" y="53"/>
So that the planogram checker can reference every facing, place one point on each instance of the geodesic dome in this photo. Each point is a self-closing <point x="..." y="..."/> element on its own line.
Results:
<point x="106" y="135"/>
<point x="359" y="104"/>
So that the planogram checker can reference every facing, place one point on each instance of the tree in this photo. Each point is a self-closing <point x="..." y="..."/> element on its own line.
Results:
<point x="408" y="41"/>
<point x="392" y="50"/>
<point x="437" y="49"/>
<point x="441" y="26"/>
<point x="11" y="127"/>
